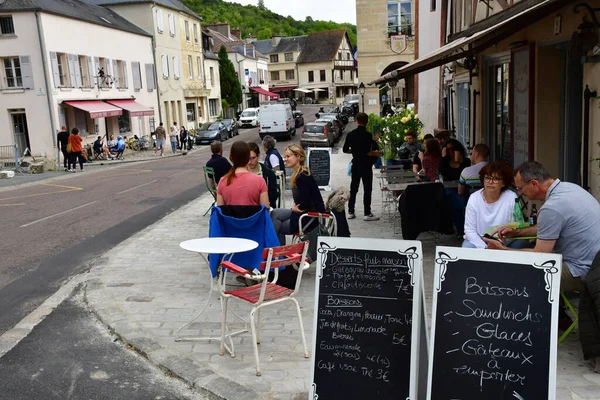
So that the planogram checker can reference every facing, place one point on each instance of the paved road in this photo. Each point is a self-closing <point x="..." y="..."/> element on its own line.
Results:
<point x="54" y="229"/>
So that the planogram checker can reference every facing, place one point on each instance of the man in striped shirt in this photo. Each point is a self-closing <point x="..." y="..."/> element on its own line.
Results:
<point x="469" y="176"/>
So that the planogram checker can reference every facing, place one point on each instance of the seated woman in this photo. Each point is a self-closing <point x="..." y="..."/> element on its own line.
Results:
<point x="431" y="160"/>
<point x="239" y="186"/>
<point x="305" y="192"/>
<point x="454" y="160"/>
<point x="493" y="205"/>
<point x="417" y="164"/>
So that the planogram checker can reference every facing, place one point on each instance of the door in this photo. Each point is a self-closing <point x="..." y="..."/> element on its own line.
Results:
<point x="463" y="128"/>
<point x="571" y="118"/>
<point x="497" y="111"/>
<point x="20" y="131"/>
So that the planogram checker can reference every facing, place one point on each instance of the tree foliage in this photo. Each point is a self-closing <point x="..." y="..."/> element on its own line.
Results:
<point x="261" y="22"/>
<point x="231" y="90"/>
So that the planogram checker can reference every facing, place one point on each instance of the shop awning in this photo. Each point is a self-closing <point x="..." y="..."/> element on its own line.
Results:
<point x="135" y="109"/>
<point x="265" y="92"/>
<point x="302" y="90"/>
<point x="96" y="108"/>
<point x="282" y="88"/>
<point x="482" y="35"/>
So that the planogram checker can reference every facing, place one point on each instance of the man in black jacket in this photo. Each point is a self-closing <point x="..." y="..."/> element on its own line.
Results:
<point x="62" y="138"/>
<point x="364" y="151"/>
<point x="217" y="162"/>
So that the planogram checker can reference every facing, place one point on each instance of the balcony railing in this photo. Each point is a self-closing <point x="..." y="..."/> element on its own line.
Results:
<point x="339" y="64"/>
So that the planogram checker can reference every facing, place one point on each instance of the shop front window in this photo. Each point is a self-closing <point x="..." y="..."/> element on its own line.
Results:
<point x="124" y="122"/>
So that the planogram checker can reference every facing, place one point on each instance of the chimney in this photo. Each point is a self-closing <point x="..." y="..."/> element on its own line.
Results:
<point x="275" y="39"/>
<point x="237" y="33"/>
<point x="250" y="38"/>
<point x="221" y="27"/>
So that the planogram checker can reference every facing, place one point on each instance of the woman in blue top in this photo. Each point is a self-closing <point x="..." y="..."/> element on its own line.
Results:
<point x="305" y="192"/>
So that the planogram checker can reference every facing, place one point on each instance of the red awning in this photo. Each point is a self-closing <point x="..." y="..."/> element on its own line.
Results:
<point x="135" y="109"/>
<point x="96" y="108"/>
<point x="265" y="92"/>
<point x="282" y="88"/>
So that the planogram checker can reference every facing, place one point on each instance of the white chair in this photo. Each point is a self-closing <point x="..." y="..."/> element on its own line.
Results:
<point x="264" y="293"/>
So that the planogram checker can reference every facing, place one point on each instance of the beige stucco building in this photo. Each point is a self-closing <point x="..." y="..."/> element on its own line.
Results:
<point x="51" y="79"/>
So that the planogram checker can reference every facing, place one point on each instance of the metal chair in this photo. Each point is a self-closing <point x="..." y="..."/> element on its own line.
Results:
<point x="265" y="293"/>
<point x="574" y="312"/>
<point x="209" y="179"/>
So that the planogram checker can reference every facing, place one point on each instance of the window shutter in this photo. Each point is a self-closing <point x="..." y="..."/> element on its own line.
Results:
<point x="150" y="83"/>
<point x="135" y="73"/>
<point x="108" y="70"/>
<point x="78" y="82"/>
<point x="116" y="74"/>
<point x="159" y="20"/>
<point x="165" y="66"/>
<point x="54" y="63"/>
<point x="26" y="72"/>
<point x="171" y="25"/>
<point x="71" y="62"/>
<point x="199" y="62"/>
<point x="125" y="75"/>
<point x="176" y="67"/>
<point x="91" y="73"/>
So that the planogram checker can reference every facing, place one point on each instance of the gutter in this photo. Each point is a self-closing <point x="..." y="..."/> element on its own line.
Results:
<point x="48" y="87"/>
<point x="155" y="64"/>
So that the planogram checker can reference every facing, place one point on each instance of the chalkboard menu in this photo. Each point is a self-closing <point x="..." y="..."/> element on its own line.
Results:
<point x="368" y="293"/>
<point x="319" y="163"/>
<point x="494" y="325"/>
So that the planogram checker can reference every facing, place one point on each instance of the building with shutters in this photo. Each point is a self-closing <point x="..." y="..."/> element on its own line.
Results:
<point x="61" y="67"/>
<point x="184" y="93"/>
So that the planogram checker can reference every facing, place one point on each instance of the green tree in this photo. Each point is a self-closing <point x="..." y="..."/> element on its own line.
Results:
<point x="230" y="85"/>
<point x="261" y="5"/>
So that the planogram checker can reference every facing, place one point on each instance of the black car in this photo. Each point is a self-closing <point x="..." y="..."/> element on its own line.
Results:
<point x="231" y="126"/>
<point x="298" y="118"/>
<point x="211" y="131"/>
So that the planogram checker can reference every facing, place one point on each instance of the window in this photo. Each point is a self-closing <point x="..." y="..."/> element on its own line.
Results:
<point x="339" y="55"/>
<point x="120" y="74"/>
<point x="136" y="73"/>
<point x="6" y="25"/>
<point x="274" y="75"/>
<point x="400" y="17"/>
<point x="12" y="72"/>
<point x="289" y="74"/>
<point x="159" y="21"/>
<point x="195" y="33"/>
<point x="124" y="122"/>
<point x="347" y="56"/>
<point x="191" y="66"/>
<point x="274" y="58"/>
<point x="187" y="31"/>
<point x="289" y="56"/>
<point x="199" y="62"/>
<point x="190" y="109"/>
<point x="351" y="75"/>
<point x="176" y="69"/>
<point x="212" y="76"/>
<point x="150" y="78"/>
<point x="84" y="72"/>
<point x="165" y="66"/>
<point x="171" y="25"/>
<point x="322" y="75"/>
<point x="311" y="76"/>
<point x="212" y="107"/>
<point x="62" y="68"/>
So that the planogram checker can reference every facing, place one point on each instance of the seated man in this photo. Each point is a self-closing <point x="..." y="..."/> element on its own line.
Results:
<point x="469" y="176"/>
<point x="408" y="150"/>
<point x="217" y="162"/>
<point x="118" y="149"/>
<point x="100" y="150"/>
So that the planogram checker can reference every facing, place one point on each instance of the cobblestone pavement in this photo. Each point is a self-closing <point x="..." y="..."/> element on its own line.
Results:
<point x="148" y="287"/>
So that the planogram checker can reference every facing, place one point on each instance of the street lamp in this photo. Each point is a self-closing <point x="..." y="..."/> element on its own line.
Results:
<point x="361" y="90"/>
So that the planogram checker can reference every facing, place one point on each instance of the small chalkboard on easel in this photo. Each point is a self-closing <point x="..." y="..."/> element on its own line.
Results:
<point x="319" y="163"/>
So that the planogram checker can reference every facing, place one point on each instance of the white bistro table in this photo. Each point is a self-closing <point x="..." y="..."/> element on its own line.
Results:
<point x="226" y="246"/>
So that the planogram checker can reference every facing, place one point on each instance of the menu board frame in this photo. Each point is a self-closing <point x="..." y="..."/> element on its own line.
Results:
<point x="323" y="149"/>
<point x="413" y="251"/>
<point x="550" y="264"/>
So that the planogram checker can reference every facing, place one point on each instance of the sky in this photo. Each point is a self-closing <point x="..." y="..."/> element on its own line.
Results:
<point x="325" y="10"/>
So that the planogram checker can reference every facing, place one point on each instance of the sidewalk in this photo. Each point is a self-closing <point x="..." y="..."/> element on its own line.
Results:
<point x="148" y="287"/>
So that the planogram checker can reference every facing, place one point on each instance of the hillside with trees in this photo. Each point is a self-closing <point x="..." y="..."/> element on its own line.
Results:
<point x="261" y="22"/>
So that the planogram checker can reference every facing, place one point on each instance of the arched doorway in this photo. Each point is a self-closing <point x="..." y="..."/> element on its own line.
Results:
<point x="404" y="91"/>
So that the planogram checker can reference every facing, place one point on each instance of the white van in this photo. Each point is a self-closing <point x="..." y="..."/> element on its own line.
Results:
<point x="276" y="120"/>
<point x="249" y="117"/>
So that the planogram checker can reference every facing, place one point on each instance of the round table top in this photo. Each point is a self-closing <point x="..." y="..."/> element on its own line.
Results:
<point x="218" y="245"/>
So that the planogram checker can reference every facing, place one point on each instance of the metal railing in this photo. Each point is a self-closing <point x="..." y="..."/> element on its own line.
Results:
<point x="9" y="156"/>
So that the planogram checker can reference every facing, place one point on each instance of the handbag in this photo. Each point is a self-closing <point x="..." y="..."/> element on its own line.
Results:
<point x="69" y="148"/>
<point x="349" y="169"/>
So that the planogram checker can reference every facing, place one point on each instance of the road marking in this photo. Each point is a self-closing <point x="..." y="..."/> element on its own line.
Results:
<point x="43" y="194"/>
<point x="14" y="204"/>
<point x="137" y="187"/>
<point x="180" y="172"/>
<point x="59" y="214"/>
<point x="135" y="171"/>
<point x="63" y="186"/>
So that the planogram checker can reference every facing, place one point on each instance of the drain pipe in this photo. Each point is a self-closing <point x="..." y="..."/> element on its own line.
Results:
<point x="48" y="87"/>
<point x="155" y="64"/>
<point x="587" y="96"/>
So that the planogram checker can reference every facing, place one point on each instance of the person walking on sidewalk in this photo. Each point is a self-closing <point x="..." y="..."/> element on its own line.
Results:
<point x="173" y="135"/>
<point x="161" y="139"/>
<point x="62" y="140"/>
<point x="365" y="152"/>
<point x="76" y="149"/>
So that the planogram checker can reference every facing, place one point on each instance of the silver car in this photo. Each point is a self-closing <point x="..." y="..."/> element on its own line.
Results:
<point x="317" y="134"/>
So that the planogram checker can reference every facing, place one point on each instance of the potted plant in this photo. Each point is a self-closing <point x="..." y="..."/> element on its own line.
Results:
<point x="393" y="129"/>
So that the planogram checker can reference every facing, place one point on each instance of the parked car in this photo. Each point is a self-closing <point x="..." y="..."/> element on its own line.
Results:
<point x="231" y="126"/>
<point x="318" y="134"/>
<point x="211" y="131"/>
<point x="298" y="118"/>
<point x="276" y="120"/>
<point x="336" y="125"/>
<point x="249" y="117"/>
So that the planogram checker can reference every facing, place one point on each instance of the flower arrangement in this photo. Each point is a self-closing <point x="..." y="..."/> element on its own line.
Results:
<point x="394" y="128"/>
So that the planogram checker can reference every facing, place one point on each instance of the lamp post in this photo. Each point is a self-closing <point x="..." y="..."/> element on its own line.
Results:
<point x="361" y="90"/>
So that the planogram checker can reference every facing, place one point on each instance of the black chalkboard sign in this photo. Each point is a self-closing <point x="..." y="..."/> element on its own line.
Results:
<point x="365" y="345"/>
<point x="494" y="325"/>
<point x="319" y="163"/>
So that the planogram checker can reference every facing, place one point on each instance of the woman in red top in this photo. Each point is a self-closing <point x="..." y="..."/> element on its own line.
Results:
<point x="431" y="159"/>
<point x="76" y="149"/>
<point x="239" y="186"/>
